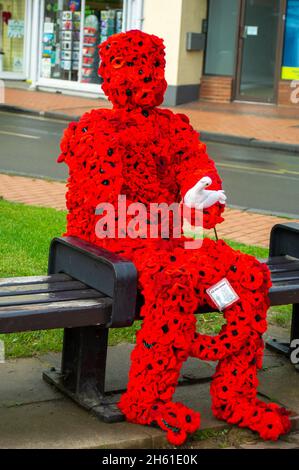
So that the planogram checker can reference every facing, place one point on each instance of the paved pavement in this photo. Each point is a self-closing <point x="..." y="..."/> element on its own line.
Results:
<point x="251" y="121"/>
<point x="35" y="415"/>
<point x="239" y="225"/>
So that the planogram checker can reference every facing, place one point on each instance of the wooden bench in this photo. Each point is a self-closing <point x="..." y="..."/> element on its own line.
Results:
<point x="89" y="290"/>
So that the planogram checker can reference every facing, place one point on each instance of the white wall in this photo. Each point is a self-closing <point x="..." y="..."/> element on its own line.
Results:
<point x="171" y="20"/>
<point x="191" y="62"/>
<point x="163" y="18"/>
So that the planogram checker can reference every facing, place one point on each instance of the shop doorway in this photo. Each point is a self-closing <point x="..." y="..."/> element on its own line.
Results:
<point x="259" y="50"/>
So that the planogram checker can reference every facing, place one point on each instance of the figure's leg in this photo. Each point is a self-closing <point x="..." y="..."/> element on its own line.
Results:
<point x="234" y="387"/>
<point x="234" y="390"/>
<point x="216" y="261"/>
<point x="162" y="345"/>
<point x="239" y="347"/>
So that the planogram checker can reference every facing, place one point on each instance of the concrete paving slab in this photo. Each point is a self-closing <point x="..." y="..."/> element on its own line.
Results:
<point x="60" y="424"/>
<point x="270" y="445"/>
<point x="34" y="415"/>
<point x="276" y="331"/>
<point x="294" y="438"/>
<point x="281" y="384"/>
<point x="21" y="382"/>
<point x="271" y="359"/>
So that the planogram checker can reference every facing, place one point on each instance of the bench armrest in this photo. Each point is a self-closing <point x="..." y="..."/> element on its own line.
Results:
<point x="100" y="269"/>
<point x="284" y="240"/>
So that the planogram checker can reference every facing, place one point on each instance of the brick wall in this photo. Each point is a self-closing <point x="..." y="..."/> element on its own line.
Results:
<point x="216" y="88"/>
<point x="284" y="93"/>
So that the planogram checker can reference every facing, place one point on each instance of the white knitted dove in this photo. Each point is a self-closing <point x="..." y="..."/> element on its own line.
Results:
<point x="200" y="198"/>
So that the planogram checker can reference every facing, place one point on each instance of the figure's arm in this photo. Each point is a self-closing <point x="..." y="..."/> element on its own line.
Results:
<point x="95" y="168"/>
<point x="95" y="173"/>
<point x="193" y="164"/>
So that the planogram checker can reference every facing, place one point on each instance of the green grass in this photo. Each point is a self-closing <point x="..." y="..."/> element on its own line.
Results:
<point x="25" y="235"/>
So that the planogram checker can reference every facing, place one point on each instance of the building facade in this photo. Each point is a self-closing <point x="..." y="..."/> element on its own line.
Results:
<point x="217" y="50"/>
<point x="252" y="50"/>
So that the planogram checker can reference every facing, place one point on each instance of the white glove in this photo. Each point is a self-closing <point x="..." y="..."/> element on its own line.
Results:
<point x="200" y="198"/>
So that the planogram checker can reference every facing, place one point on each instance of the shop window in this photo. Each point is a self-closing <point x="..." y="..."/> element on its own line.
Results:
<point x="69" y="48"/>
<point x="221" y="37"/>
<point x="61" y="40"/>
<point x="12" y="19"/>
<point x="290" y="68"/>
<point x="102" y="19"/>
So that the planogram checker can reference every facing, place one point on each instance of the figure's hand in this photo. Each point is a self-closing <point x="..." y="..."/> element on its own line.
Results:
<point x="199" y="197"/>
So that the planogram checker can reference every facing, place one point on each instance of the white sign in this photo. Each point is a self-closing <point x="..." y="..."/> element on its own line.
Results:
<point x="15" y="29"/>
<point x="252" y="30"/>
<point x="49" y="28"/>
<point x="18" y="64"/>
<point x="223" y="294"/>
<point x="46" y="68"/>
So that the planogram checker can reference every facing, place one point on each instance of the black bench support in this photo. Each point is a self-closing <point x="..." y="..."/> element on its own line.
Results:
<point x="284" y="240"/>
<point x="83" y="371"/>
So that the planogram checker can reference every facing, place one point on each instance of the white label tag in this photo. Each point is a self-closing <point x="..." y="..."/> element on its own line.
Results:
<point x="222" y="294"/>
<point x="252" y="30"/>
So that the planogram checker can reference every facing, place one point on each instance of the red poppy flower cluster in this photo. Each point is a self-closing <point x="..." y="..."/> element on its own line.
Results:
<point x="152" y="155"/>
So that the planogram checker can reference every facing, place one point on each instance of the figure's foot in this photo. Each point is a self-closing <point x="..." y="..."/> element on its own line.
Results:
<point x="176" y="419"/>
<point x="274" y="421"/>
<point x="268" y="419"/>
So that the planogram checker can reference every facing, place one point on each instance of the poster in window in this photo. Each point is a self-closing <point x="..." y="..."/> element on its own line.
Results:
<point x="15" y="29"/>
<point x="290" y="64"/>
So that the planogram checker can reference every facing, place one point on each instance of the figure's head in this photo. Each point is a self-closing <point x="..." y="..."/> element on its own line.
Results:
<point x="132" y="67"/>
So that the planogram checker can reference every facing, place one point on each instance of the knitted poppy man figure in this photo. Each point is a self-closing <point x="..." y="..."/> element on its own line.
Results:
<point x="152" y="155"/>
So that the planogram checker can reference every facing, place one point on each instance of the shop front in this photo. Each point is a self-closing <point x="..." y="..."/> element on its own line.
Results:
<point x="70" y="31"/>
<point x="252" y="50"/>
<point x="14" y="38"/>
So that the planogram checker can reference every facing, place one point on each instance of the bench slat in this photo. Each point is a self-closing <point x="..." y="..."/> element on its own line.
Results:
<point x="15" y="281"/>
<point x="291" y="284"/>
<point x="284" y="296"/>
<point x="284" y="268"/>
<point x="8" y="302"/>
<point x="39" y="288"/>
<point x="274" y="260"/>
<point x="285" y="276"/>
<point x="67" y="314"/>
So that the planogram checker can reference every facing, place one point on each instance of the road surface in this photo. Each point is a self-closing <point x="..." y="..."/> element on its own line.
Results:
<point x="257" y="179"/>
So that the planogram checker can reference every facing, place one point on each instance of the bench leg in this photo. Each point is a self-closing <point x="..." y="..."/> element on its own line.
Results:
<point x="284" y="348"/>
<point x="83" y="369"/>
<point x="295" y="323"/>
